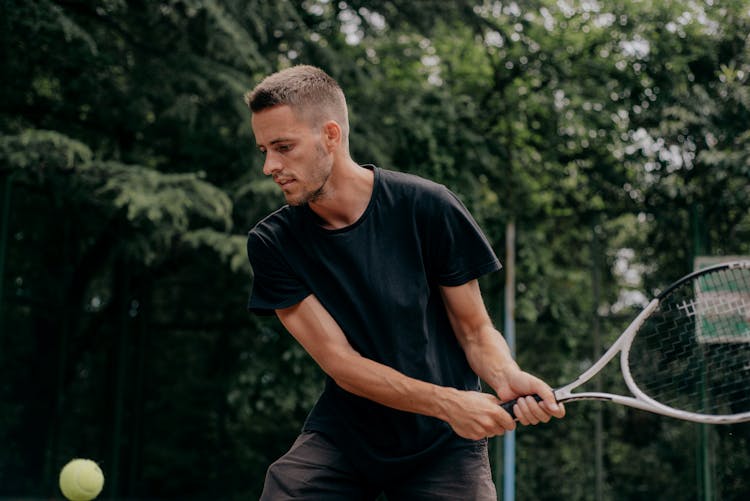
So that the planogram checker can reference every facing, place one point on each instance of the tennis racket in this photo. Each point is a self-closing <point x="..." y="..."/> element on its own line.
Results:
<point x="687" y="354"/>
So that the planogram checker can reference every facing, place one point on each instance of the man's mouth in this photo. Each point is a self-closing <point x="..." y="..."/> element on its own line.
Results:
<point x="284" y="181"/>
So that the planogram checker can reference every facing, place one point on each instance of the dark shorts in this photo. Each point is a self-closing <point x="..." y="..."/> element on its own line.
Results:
<point x="315" y="469"/>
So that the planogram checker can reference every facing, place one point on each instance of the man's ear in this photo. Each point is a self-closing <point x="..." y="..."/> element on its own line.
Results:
<point x="332" y="135"/>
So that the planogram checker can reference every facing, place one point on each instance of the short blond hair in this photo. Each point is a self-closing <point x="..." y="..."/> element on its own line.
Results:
<point x="308" y="90"/>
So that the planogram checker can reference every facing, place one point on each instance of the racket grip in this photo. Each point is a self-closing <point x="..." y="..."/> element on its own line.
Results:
<point x="508" y="406"/>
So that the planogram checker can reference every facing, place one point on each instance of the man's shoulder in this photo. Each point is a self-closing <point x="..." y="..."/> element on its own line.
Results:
<point x="275" y="223"/>
<point x="412" y="185"/>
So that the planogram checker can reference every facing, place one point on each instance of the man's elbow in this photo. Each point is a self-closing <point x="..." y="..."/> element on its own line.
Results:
<point x="339" y="366"/>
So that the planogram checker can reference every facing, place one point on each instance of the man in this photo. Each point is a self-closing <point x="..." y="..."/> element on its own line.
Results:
<point x="374" y="272"/>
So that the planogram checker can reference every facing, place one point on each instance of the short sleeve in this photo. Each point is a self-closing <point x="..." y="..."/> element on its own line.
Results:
<point x="275" y="285"/>
<point x="459" y="250"/>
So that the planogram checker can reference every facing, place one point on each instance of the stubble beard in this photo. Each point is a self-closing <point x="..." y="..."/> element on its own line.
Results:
<point x="322" y="172"/>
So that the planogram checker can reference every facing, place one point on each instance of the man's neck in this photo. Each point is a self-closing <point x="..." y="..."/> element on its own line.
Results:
<point x="348" y="193"/>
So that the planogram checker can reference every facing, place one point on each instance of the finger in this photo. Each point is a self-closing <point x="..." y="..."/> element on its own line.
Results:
<point x="536" y="410"/>
<point x="501" y="420"/>
<point x="504" y="420"/>
<point x="525" y="411"/>
<point x="550" y="402"/>
<point x="493" y="419"/>
<point x="559" y="413"/>
<point x="519" y="413"/>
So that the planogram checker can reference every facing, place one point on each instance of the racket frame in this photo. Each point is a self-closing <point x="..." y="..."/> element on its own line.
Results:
<point x="641" y="400"/>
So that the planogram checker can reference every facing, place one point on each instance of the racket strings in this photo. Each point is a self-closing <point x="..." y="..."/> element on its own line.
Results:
<point x="693" y="352"/>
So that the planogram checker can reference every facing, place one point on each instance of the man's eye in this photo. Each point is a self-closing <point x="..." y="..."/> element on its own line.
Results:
<point x="283" y="148"/>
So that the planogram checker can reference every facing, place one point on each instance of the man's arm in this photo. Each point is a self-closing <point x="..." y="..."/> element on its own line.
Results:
<point x="490" y="358"/>
<point x="471" y="414"/>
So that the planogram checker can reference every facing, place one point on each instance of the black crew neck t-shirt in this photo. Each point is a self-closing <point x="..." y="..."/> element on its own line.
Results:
<point x="379" y="279"/>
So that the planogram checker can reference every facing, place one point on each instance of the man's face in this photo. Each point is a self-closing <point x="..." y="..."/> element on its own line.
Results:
<point x="295" y="153"/>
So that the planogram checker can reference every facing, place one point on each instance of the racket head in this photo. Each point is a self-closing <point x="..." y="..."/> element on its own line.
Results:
<point x="690" y="357"/>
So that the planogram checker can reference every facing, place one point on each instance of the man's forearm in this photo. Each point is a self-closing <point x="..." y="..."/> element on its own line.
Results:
<point x="323" y="339"/>
<point x="489" y="356"/>
<point x="471" y="414"/>
<point x="387" y="386"/>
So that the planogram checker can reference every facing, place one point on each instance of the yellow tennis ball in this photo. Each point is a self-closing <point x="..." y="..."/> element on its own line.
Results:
<point x="81" y="480"/>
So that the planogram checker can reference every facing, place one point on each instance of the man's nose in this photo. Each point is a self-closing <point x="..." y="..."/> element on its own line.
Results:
<point x="271" y="164"/>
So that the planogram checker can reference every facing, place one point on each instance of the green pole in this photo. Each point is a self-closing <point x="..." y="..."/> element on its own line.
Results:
<point x="509" y="439"/>
<point x="703" y="447"/>
<point x="596" y="328"/>
<point x="3" y="245"/>
<point x="121" y="346"/>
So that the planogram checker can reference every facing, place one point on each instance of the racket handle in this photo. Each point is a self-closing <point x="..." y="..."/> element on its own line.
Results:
<point x="508" y="406"/>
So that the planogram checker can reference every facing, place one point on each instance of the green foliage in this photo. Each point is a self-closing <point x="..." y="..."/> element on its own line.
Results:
<point x="160" y="207"/>
<point x="231" y="250"/>
<point x="40" y="149"/>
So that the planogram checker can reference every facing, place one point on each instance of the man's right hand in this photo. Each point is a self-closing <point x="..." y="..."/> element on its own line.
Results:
<point x="475" y="415"/>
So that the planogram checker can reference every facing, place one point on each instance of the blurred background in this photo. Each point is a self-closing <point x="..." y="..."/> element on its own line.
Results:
<point x="603" y="144"/>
